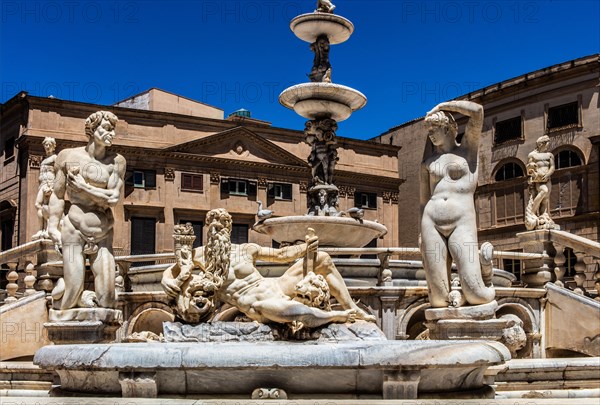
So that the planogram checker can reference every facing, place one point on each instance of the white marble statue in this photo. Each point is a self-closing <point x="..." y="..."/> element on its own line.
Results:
<point x="92" y="177"/>
<point x="46" y="185"/>
<point x="325" y="6"/>
<point x="448" y="220"/>
<point x="230" y="275"/>
<point x="540" y="167"/>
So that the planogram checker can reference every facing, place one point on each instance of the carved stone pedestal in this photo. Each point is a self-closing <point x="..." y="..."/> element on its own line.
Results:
<point x="472" y="322"/>
<point x="537" y="272"/>
<point x="83" y="325"/>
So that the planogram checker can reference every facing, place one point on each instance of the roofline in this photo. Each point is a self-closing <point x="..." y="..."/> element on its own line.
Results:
<point x="536" y="74"/>
<point x="220" y="123"/>
<point x="514" y="81"/>
<point x="168" y="92"/>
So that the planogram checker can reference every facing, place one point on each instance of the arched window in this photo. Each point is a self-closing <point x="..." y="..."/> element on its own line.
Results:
<point x="509" y="171"/>
<point x="566" y="158"/>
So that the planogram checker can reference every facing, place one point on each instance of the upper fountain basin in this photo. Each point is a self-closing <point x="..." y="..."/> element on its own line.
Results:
<point x="309" y="26"/>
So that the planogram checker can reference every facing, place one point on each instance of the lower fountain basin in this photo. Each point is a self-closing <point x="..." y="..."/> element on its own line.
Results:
<point x="322" y="100"/>
<point x="387" y="369"/>
<point x="332" y="231"/>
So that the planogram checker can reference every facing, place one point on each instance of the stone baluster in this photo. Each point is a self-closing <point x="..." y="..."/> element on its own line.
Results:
<point x="559" y="265"/>
<point x="30" y="279"/>
<point x="12" y="286"/>
<point x="580" y="277"/>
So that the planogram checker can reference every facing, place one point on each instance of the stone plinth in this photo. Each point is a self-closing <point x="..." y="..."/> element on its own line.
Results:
<point x="470" y="322"/>
<point x="83" y="325"/>
<point x="385" y="369"/>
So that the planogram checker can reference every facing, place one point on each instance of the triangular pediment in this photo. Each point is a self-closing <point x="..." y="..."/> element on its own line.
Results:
<point x="239" y="144"/>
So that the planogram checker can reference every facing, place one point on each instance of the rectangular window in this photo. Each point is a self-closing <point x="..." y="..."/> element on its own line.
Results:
<point x="238" y="187"/>
<point x="563" y="116"/>
<point x="239" y="234"/>
<point x="191" y="182"/>
<point x="140" y="178"/>
<point x="280" y="191"/>
<point x="508" y="130"/>
<point x="143" y="237"/>
<point x="512" y="266"/>
<point x="510" y="205"/>
<point x="365" y="200"/>
<point x="9" y="148"/>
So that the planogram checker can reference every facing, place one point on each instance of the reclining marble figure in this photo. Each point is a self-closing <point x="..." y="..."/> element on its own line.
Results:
<point x="229" y="274"/>
<point x="448" y="221"/>
<point x="92" y="177"/>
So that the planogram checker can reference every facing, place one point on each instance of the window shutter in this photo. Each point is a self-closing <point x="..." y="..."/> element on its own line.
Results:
<point x="252" y="185"/>
<point x="287" y="191"/>
<point x="197" y="182"/>
<point x="271" y="190"/>
<point x="224" y="186"/>
<point x="186" y="181"/>
<point x="372" y="200"/>
<point x="129" y="178"/>
<point x="357" y="200"/>
<point x="150" y="178"/>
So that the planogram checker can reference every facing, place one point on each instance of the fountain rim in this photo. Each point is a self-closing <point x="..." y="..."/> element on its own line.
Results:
<point x="331" y="22"/>
<point x="323" y="91"/>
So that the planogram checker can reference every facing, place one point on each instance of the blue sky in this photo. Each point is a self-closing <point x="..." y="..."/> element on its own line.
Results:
<point x="405" y="56"/>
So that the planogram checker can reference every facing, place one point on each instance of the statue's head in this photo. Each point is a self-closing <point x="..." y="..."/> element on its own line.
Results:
<point x="440" y="121"/>
<point x="49" y="145"/>
<point x="542" y="142"/>
<point x="313" y="291"/>
<point x="100" y="126"/>
<point x="217" y="220"/>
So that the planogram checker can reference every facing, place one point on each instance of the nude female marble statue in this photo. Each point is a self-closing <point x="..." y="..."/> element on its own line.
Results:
<point x="92" y="176"/>
<point x="231" y="268"/>
<point x="46" y="185"/>
<point x="448" y="220"/>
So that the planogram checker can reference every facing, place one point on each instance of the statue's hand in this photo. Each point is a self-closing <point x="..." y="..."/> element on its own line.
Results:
<point x="433" y="111"/>
<point x="171" y="288"/>
<point x="312" y="243"/>
<point x="76" y="180"/>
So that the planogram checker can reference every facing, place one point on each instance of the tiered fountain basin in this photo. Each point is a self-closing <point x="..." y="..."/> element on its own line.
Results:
<point x="322" y="100"/>
<point x="308" y="27"/>
<point x="332" y="231"/>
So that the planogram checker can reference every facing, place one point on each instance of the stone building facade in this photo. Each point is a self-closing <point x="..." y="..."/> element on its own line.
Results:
<point x="561" y="101"/>
<point x="183" y="159"/>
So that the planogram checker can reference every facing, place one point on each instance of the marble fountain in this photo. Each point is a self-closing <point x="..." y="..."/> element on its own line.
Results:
<point x="238" y="334"/>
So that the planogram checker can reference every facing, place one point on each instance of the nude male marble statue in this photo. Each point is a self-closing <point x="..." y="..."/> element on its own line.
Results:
<point x="92" y="177"/>
<point x="231" y="270"/>
<point x="540" y="167"/>
<point x="46" y="185"/>
<point x="448" y="220"/>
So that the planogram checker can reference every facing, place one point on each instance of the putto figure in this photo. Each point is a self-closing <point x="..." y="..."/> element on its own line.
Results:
<point x="46" y="185"/>
<point x="540" y="167"/>
<point x="287" y="299"/>
<point x="448" y="223"/>
<point x="92" y="176"/>
<point x="325" y="6"/>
